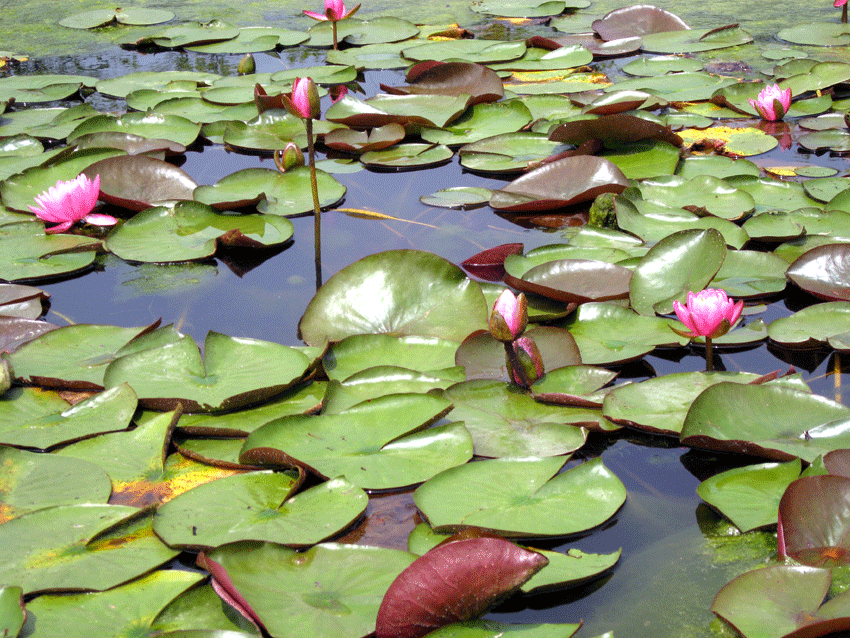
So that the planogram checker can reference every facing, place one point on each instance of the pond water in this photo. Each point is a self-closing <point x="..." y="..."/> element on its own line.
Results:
<point x="673" y="555"/>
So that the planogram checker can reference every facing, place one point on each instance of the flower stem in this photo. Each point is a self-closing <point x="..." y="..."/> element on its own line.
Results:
<point x="317" y="211"/>
<point x="844" y="14"/>
<point x="515" y="365"/>
<point x="333" y="28"/>
<point x="709" y="356"/>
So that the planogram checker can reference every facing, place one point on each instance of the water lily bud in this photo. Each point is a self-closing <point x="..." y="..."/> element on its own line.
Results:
<point x="289" y="157"/>
<point x="246" y="65"/>
<point x="304" y="101"/>
<point x="509" y="317"/>
<point x="528" y="356"/>
<point x="772" y="102"/>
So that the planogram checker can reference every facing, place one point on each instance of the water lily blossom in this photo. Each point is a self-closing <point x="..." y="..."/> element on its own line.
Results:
<point x="708" y="313"/>
<point x="69" y="202"/>
<point x="335" y="10"/>
<point x="772" y="102"/>
<point x="509" y="316"/>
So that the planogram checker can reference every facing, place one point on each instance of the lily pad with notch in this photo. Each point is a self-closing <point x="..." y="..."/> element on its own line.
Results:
<point x="136" y="16"/>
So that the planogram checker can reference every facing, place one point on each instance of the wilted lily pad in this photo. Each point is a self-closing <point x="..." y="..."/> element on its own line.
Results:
<point x="521" y="497"/>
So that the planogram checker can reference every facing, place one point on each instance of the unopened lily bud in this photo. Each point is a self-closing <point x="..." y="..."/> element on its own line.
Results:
<point x="528" y="356"/>
<point x="246" y="65"/>
<point x="304" y="101"/>
<point x="289" y="157"/>
<point x="509" y="317"/>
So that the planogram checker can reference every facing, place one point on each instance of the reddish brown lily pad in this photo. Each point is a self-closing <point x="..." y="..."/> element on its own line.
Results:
<point x="452" y="78"/>
<point x="637" y="20"/>
<point x="490" y="264"/>
<point x="138" y="182"/>
<point x="562" y="183"/>
<point x="453" y="582"/>
<point x="575" y="280"/>
<point x="618" y="128"/>
<point x="814" y="521"/>
<point x="823" y="271"/>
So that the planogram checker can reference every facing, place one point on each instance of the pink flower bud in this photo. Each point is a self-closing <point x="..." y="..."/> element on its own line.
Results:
<point x="509" y="317"/>
<point x="772" y="102"/>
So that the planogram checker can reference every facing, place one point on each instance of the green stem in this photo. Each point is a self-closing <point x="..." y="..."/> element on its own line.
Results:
<point x="844" y="14"/>
<point x="709" y="357"/>
<point x="317" y="211"/>
<point x="333" y="28"/>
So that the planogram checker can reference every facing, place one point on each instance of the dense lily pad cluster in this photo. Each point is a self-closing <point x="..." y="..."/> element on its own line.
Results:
<point x="126" y="449"/>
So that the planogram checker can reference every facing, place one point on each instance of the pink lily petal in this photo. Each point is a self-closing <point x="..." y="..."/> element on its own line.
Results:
<point x="100" y="220"/>
<point x="67" y="202"/>
<point x="315" y="15"/>
<point x="61" y="228"/>
<point x="705" y="312"/>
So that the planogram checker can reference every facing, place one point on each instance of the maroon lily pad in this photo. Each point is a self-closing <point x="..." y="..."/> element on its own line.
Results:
<point x="16" y="331"/>
<point x="575" y="280"/>
<point x="814" y="521"/>
<point x="618" y="128"/>
<point x="637" y="20"/>
<point x="823" y="271"/>
<point x="138" y="182"/>
<point x="562" y="183"/>
<point x="490" y="264"/>
<point x="597" y="46"/>
<point x="452" y="78"/>
<point x="453" y="582"/>
<point x="351" y="141"/>
<point x="226" y="590"/>
<point x="837" y="463"/>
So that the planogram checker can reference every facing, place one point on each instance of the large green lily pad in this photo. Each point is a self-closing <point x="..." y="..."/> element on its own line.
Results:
<point x="521" y="497"/>
<point x="399" y="292"/>
<point x="234" y="372"/>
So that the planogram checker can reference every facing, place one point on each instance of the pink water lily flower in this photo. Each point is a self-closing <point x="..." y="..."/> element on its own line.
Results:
<point x="335" y="10"/>
<point x="70" y="202"/>
<point x="509" y="316"/>
<point x="772" y="102"/>
<point x="708" y="313"/>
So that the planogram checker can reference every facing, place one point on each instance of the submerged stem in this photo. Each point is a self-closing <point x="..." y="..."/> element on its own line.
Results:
<point x="317" y="211"/>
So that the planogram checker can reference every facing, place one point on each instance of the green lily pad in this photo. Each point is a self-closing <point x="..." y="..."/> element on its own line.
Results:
<point x="480" y="51"/>
<point x="520" y="8"/>
<point x="677" y="87"/>
<point x="380" y="381"/>
<point x="749" y="496"/>
<point x="607" y="333"/>
<point x="749" y="274"/>
<point x="360" y="352"/>
<point x="266" y="511"/>
<point x="111" y="614"/>
<point x="782" y="600"/>
<point x="494" y="629"/>
<point x="695" y="40"/>
<point x="149" y="125"/>
<point x="741" y="418"/>
<point x="191" y="230"/>
<point x="662" y="65"/>
<point x="371" y="56"/>
<point x="520" y="497"/>
<point x="388" y="451"/>
<point x="811" y="222"/>
<point x="194" y="34"/>
<point x="130" y="15"/>
<point x="39" y="419"/>
<point x="329" y="591"/>
<point x="716" y="165"/>
<point x="408" y="156"/>
<point x="253" y="40"/>
<point x="401" y="292"/>
<point x="481" y="121"/>
<point x="685" y="261"/>
<point x="80" y="547"/>
<point x="414" y="110"/>
<point x="458" y="197"/>
<point x="649" y="158"/>
<point x="12" y="611"/>
<point x="818" y="323"/>
<point x="235" y="372"/>
<point x="36" y="481"/>
<point x="506" y="422"/>
<point x="703" y="194"/>
<point x="159" y="80"/>
<point x="73" y="357"/>
<point x="377" y="30"/>
<point x="40" y="88"/>
<point x="660" y="405"/>
<point x="281" y="194"/>
<point x="820" y="34"/>
<point x="508" y="152"/>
